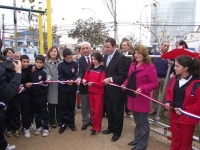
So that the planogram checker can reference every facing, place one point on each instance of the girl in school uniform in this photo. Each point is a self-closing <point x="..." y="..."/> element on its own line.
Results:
<point x="184" y="92"/>
<point x="93" y="78"/>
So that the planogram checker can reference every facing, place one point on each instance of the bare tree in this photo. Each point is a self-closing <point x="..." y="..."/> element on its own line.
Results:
<point x="111" y="5"/>
<point x="158" y="25"/>
<point x="132" y="39"/>
<point x="29" y="22"/>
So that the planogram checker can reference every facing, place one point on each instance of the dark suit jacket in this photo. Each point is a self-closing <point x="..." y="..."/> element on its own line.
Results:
<point x="129" y="59"/>
<point x="117" y="69"/>
<point x="82" y="69"/>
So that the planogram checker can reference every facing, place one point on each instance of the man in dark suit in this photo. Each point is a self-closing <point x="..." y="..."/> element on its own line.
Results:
<point x="116" y="72"/>
<point x="126" y="51"/>
<point x="84" y="62"/>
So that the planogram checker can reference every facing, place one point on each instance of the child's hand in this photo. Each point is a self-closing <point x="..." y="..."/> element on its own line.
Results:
<point x="78" y="81"/>
<point x="33" y="69"/>
<point x="69" y="82"/>
<point x="123" y="87"/>
<point x="41" y="82"/>
<point x="177" y="111"/>
<point x="90" y="83"/>
<point x="47" y="81"/>
<point x="167" y="106"/>
<point x="84" y="82"/>
<point x="28" y="85"/>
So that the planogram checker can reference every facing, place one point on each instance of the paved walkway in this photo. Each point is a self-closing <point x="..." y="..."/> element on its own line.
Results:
<point x="82" y="140"/>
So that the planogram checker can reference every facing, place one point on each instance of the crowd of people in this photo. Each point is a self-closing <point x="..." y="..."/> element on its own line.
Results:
<point x="48" y="92"/>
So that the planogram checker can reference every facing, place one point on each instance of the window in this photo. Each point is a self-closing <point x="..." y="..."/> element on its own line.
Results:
<point x="11" y="43"/>
<point x="28" y="43"/>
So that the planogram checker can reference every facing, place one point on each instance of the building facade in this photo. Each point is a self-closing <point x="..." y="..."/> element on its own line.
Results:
<point x="173" y="18"/>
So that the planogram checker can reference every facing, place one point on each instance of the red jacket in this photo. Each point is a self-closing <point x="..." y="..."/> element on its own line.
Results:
<point x="191" y="101"/>
<point x="96" y="75"/>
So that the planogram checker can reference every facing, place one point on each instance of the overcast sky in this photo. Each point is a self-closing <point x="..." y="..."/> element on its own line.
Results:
<point x="128" y="12"/>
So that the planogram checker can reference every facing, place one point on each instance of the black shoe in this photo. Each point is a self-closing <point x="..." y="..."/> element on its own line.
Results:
<point x="73" y="128"/>
<point x="114" y="138"/>
<point x="54" y="126"/>
<point x="94" y="132"/>
<point x="135" y="148"/>
<point x="59" y="124"/>
<point x="132" y="143"/>
<point x="106" y="132"/>
<point x="84" y="127"/>
<point x="62" y="129"/>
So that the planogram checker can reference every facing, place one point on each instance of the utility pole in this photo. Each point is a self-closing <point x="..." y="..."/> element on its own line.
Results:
<point x="115" y="21"/>
<point x="41" y="33"/>
<point x="3" y="31"/>
<point x="15" y="26"/>
<point x="49" y="26"/>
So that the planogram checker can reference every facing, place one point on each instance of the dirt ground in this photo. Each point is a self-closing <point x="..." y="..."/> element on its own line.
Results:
<point x="70" y="140"/>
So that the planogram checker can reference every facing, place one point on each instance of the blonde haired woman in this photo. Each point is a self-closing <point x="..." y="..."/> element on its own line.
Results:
<point x="52" y="59"/>
<point x="142" y="77"/>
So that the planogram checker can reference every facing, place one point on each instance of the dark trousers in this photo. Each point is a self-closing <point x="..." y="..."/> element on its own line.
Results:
<point x="142" y="129"/>
<point x="40" y="112"/>
<point x="3" y="142"/>
<point x="31" y="112"/>
<point x="25" y="110"/>
<point x="54" y="113"/>
<point x="115" y="114"/>
<point x="67" y="102"/>
<point x="12" y="120"/>
<point x="126" y="109"/>
<point x="104" y="109"/>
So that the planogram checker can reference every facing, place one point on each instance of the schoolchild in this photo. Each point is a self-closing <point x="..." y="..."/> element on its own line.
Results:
<point x="21" y="100"/>
<point x="39" y="91"/>
<point x="93" y="77"/>
<point x="184" y="92"/>
<point x="67" y="71"/>
<point x="24" y="95"/>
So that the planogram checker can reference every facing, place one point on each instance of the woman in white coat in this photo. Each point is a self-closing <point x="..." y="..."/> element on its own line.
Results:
<point x="52" y="59"/>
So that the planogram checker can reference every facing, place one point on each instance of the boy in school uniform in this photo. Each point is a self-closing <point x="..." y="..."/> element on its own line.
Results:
<point x="39" y="91"/>
<point x="22" y="100"/>
<point x="67" y="71"/>
<point x="24" y="95"/>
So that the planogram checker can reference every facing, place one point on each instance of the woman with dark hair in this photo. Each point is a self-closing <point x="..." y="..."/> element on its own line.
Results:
<point x="142" y="78"/>
<point x="93" y="78"/>
<point x="183" y="43"/>
<point x="52" y="59"/>
<point x="184" y="92"/>
<point x="9" y="52"/>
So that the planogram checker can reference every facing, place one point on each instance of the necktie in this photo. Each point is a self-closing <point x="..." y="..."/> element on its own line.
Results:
<point x="88" y="62"/>
<point x="108" y="61"/>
